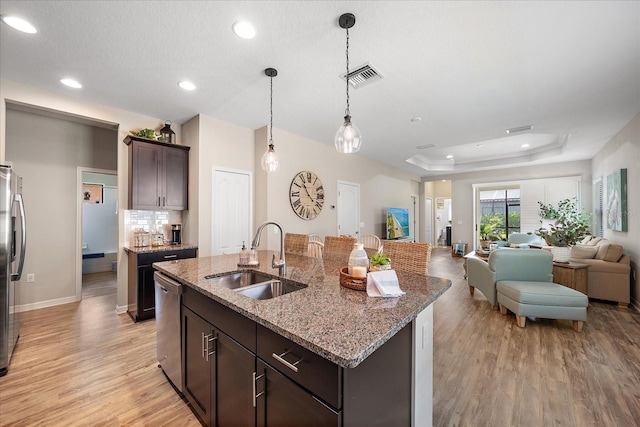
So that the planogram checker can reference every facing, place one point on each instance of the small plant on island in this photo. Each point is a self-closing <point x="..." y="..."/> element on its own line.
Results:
<point x="379" y="261"/>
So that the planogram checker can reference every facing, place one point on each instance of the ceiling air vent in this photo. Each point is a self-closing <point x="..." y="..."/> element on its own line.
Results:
<point x="363" y="75"/>
<point x="422" y="147"/>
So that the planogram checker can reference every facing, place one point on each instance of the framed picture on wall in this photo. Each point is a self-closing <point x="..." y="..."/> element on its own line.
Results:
<point x="617" y="200"/>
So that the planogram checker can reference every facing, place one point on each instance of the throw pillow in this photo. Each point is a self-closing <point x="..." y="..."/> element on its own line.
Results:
<point x="609" y="252"/>
<point x="585" y="240"/>
<point x="579" y="251"/>
<point x="594" y="241"/>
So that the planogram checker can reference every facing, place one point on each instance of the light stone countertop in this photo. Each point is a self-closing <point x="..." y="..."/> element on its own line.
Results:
<point x="340" y="324"/>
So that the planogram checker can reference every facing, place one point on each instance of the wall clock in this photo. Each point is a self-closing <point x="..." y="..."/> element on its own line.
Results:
<point x="306" y="195"/>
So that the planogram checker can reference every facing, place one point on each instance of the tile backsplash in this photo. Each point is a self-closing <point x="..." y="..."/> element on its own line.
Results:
<point x="151" y="221"/>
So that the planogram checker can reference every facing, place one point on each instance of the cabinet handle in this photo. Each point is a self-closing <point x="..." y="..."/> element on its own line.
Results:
<point x="159" y="201"/>
<point x="280" y="358"/>
<point x="170" y="256"/>
<point x="164" y="201"/>
<point x="206" y="349"/>
<point x="255" y="388"/>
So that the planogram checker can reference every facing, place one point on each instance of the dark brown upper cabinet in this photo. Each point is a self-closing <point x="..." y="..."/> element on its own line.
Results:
<point x="158" y="175"/>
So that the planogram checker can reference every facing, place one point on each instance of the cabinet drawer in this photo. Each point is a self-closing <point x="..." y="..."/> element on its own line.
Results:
<point x="318" y="375"/>
<point x="240" y="328"/>
<point x="150" y="258"/>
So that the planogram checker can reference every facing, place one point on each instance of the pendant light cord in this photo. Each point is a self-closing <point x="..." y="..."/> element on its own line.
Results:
<point x="347" y="112"/>
<point x="271" y="113"/>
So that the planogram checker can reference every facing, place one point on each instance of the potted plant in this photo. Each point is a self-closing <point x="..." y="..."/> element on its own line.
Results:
<point x="568" y="225"/>
<point x="379" y="261"/>
<point x="488" y="234"/>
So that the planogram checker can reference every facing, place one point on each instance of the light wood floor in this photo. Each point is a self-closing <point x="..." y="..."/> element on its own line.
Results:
<point x="80" y="364"/>
<point x="489" y="372"/>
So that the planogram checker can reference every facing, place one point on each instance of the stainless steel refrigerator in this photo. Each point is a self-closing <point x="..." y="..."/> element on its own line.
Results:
<point x="13" y="240"/>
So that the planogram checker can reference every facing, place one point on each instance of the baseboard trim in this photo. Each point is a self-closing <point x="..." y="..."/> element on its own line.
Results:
<point x="121" y="309"/>
<point x="45" y="304"/>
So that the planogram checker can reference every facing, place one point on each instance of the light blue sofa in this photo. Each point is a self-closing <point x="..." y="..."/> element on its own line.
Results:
<point x="521" y="280"/>
<point x="523" y="240"/>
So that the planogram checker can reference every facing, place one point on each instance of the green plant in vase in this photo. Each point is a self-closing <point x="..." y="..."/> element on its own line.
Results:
<point x="570" y="224"/>
<point x="379" y="261"/>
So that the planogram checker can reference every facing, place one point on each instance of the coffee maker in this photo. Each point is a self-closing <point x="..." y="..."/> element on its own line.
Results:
<point x="176" y="231"/>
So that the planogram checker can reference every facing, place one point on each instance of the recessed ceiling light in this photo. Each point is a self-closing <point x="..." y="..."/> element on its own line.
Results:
<point x="524" y="146"/>
<point x="19" y="24"/>
<point x="416" y="119"/>
<point x="71" y="83"/>
<point x="519" y="129"/>
<point x="244" y="30"/>
<point x="450" y="156"/>
<point x="187" y="85"/>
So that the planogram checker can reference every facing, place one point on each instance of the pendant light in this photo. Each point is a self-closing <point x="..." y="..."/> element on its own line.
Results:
<point x="270" y="161"/>
<point x="348" y="138"/>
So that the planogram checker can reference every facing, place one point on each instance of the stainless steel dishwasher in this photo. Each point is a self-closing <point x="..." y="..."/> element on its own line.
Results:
<point x="168" y="341"/>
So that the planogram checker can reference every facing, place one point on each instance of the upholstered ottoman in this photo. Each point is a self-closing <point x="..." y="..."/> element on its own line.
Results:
<point x="542" y="299"/>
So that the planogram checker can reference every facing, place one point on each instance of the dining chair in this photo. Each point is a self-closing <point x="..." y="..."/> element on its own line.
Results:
<point x="371" y="241"/>
<point x="338" y="248"/>
<point x="296" y="243"/>
<point x="315" y="249"/>
<point x="412" y="257"/>
<point x="315" y="238"/>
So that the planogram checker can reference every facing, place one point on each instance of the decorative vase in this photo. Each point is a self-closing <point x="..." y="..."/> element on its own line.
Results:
<point x="380" y="267"/>
<point x="561" y="253"/>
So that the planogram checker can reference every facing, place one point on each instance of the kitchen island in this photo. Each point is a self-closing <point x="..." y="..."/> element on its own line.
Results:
<point x="362" y="360"/>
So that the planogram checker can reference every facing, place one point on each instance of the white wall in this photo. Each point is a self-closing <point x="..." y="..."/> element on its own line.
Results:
<point x="214" y="143"/>
<point x="623" y="151"/>
<point x="462" y="190"/>
<point x="380" y="186"/>
<point x="46" y="152"/>
<point x="79" y="109"/>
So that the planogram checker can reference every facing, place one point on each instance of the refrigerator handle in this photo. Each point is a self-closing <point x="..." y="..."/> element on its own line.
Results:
<point x="23" y="233"/>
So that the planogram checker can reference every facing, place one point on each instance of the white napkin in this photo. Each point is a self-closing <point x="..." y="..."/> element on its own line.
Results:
<point x="383" y="284"/>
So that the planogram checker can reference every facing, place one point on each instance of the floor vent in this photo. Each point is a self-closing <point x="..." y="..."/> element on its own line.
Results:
<point x="362" y="75"/>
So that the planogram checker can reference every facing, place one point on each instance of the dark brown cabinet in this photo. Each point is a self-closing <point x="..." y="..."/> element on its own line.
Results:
<point x="158" y="174"/>
<point x="284" y="403"/>
<point x="218" y="371"/>
<point x="236" y="372"/>
<point x="141" y="291"/>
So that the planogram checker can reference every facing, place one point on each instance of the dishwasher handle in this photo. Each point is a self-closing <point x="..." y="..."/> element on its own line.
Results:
<point x="167" y="284"/>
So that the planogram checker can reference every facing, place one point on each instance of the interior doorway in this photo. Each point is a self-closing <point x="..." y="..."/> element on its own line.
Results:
<point x="348" y="209"/>
<point x="97" y="195"/>
<point x="231" y="210"/>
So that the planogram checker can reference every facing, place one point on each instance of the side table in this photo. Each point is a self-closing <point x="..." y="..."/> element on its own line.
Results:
<point x="572" y="275"/>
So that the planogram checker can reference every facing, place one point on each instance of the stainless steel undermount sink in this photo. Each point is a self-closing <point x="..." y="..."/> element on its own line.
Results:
<point x="271" y="289"/>
<point x="239" y="279"/>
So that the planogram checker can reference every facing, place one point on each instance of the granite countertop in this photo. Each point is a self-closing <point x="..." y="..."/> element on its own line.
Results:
<point x="337" y="323"/>
<point x="150" y="249"/>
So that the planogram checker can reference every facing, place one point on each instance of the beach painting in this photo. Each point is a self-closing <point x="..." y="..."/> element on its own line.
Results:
<point x="617" y="200"/>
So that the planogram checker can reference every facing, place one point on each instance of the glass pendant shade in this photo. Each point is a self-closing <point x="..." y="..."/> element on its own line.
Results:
<point x="270" y="161"/>
<point x="348" y="138"/>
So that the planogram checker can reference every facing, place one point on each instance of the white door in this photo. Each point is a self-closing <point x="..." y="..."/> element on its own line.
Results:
<point x="413" y="219"/>
<point x="428" y="221"/>
<point x="348" y="209"/>
<point x="231" y="211"/>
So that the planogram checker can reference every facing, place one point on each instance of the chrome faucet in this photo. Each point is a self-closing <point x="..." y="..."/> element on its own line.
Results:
<point x="280" y="264"/>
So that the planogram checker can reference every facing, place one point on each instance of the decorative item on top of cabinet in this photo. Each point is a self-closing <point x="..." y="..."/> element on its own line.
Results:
<point x="158" y="174"/>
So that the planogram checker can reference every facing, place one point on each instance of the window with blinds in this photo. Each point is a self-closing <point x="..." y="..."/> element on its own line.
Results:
<point x="598" y="216"/>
